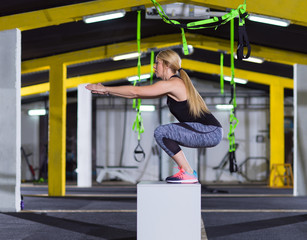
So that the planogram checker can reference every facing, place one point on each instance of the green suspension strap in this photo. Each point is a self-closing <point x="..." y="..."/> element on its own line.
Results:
<point x="152" y="62"/>
<point x="207" y="23"/>
<point x="222" y="72"/>
<point x="139" y="154"/>
<point x="184" y="43"/>
<point x="232" y="119"/>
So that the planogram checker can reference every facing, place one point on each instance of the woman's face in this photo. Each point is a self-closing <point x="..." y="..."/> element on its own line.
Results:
<point x="159" y="68"/>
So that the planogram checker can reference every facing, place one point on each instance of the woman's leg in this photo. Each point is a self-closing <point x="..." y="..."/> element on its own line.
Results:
<point x="170" y="136"/>
<point x="182" y="162"/>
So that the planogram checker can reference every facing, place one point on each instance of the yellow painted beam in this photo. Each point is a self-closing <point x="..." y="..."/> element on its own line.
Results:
<point x="92" y="78"/>
<point x="112" y="50"/>
<point x="269" y="54"/>
<point x="106" y="76"/>
<point x="293" y="10"/>
<point x="260" y="78"/>
<point x="277" y="132"/>
<point x="99" y="53"/>
<point x="31" y="66"/>
<point x="65" y="14"/>
<point x="57" y="131"/>
<point x="35" y="89"/>
<point x="208" y="68"/>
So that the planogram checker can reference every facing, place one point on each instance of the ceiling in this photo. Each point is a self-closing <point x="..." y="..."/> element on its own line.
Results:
<point x="73" y="36"/>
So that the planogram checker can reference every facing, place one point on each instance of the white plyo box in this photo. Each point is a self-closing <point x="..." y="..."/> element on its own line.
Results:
<point x="168" y="211"/>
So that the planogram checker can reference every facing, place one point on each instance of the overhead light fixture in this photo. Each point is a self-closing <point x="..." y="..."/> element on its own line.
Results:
<point x="104" y="16"/>
<point x="126" y="56"/>
<point x="224" y="106"/>
<point x="237" y="80"/>
<point x="142" y="77"/>
<point x="190" y="49"/>
<point x="254" y="60"/>
<point x="147" y="108"/>
<point x="251" y="59"/>
<point x="269" y="20"/>
<point x="37" y="112"/>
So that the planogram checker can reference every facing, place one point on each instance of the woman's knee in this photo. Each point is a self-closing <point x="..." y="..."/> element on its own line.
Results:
<point x="158" y="133"/>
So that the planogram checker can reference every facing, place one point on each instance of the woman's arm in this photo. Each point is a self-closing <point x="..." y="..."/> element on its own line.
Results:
<point x="151" y="91"/>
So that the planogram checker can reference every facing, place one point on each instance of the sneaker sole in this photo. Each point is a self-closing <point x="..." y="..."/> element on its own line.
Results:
<point x="182" y="181"/>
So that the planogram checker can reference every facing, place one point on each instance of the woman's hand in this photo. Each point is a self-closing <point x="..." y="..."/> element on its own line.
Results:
<point x="97" y="88"/>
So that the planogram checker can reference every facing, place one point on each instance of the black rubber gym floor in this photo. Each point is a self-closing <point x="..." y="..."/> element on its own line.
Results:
<point x="108" y="211"/>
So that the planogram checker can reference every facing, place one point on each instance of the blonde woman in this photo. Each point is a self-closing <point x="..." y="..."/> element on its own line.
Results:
<point x="196" y="128"/>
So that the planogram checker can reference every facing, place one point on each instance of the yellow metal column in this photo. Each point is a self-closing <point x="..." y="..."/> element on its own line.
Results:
<point x="277" y="132"/>
<point x="57" y="130"/>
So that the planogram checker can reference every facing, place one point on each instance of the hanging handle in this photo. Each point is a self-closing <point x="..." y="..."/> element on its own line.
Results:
<point x="139" y="154"/>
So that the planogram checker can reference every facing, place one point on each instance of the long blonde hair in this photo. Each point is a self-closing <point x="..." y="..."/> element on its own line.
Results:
<point x="197" y="105"/>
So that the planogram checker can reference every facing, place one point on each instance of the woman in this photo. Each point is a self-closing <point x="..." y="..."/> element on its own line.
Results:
<point x="197" y="127"/>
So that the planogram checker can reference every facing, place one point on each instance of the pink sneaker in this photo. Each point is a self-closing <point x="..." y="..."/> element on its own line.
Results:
<point x="183" y="177"/>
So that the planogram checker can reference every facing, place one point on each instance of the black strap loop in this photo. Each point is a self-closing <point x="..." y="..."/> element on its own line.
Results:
<point x="232" y="162"/>
<point x="242" y="43"/>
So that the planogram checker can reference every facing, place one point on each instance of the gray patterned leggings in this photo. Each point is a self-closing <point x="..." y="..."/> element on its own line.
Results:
<point x="187" y="134"/>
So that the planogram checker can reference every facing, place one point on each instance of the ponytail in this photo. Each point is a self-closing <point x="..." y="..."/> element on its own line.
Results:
<point x="196" y="103"/>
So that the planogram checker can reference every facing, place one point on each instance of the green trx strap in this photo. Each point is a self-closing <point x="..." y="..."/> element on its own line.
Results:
<point x="232" y="60"/>
<point x="232" y="119"/>
<point x="139" y="44"/>
<point x="184" y="43"/>
<point x="138" y="40"/>
<point x="222" y="72"/>
<point x="152" y="62"/>
<point x="138" y="123"/>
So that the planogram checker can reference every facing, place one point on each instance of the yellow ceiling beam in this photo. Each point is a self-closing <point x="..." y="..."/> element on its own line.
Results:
<point x="294" y="10"/>
<point x="99" y="53"/>
<point x="65" y="14"/>
<point x="268" y="54"/>
<point x="255" y="77"/>
<point x="192" y="65"/>
<point x="106" y="76"/>
<point x="36" y="65"/>
<point x="34" y="89"/>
